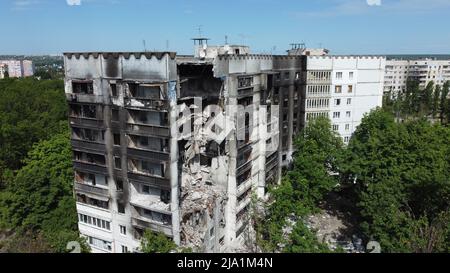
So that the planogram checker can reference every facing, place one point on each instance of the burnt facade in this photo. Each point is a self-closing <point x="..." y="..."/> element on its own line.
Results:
<point x="136" y="169"/>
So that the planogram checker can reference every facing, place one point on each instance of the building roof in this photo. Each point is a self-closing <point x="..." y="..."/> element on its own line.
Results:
<point x="137" y="55"/>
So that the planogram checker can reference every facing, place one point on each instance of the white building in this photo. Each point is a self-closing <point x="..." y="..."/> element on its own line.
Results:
<point x="343" y="88"/>
<point x="398" y="72"/>
<point x="3" y="70"/>
<point x="19" y="69"/>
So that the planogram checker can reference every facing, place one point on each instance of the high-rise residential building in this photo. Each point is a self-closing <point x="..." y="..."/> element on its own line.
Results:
<point x="424" y="71"/>
<point x="3" y="70"/>
<point x="135" y="170"/>
<point x="19" y="68"/>
<point x="179" y="144"/>
<point x="343" y="88"/>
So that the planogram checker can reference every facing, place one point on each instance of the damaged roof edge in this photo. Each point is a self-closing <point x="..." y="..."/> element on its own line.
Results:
<point x="127" y="55"/>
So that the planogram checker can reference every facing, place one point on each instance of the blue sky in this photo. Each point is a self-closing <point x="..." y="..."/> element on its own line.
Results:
<point x="343" y="26"/>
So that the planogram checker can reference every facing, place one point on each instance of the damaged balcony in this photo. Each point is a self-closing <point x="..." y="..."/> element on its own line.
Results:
<point x="89" y="162"/>
<point x="244" y="161"/>
<point x="147" y="172"/>
<point x="91" y="184"/>
<point x="244" y="200"/>
<point x="271" y="162"/>
<point x="244" y="182"/>
<point x="83" y="91"/>
<point x="93" y="200"/>
<point x="149" y="96"/>
<point x="88" y="139"/>
<point x="148" y="147"/>
<point x="86" y="115"/>
<point x="142" y="218"/>
<point x="148" y="123"/>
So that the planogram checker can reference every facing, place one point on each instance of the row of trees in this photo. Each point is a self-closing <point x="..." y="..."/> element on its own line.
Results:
<point x="397" y="174"/>
<point x="432" y="102"/>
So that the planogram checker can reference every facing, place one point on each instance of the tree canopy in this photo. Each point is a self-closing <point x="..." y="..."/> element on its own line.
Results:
<point x="318" y="147"/>
<point x="402" y="176"/>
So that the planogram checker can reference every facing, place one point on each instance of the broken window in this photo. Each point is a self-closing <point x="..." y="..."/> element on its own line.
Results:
<point x="245" y="82"/>
<point x="89" y="158"/>
<point x="83" y="88"/>
<point x="119" y="184"/>
<point x="115" y="114"/>
<point x="113" y="90"/>
<point x="117" y="163"/>
<point x="120" y="207"/>
<point x="117" y="139"/>
<point x="145" y="91"/>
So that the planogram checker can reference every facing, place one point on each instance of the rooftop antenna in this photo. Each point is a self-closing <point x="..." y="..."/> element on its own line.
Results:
<point x="226" y="39"/>
<point x="145" y="46"/>
<point x="298" y="45"/>
<point x="200" y="40"/>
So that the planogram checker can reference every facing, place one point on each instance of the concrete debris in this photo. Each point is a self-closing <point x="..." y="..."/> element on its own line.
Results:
<point x="202" y="188"/>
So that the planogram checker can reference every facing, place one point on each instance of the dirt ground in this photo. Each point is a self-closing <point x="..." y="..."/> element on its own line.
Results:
<point x="335" y="225"/>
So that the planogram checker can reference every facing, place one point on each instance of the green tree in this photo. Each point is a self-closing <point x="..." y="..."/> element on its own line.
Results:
<point x="318" y="148"/>
<point x="30" y="111"/>
<point x="436" y="100"/>
<point x="303" y="240"/>
<point x="400" y="175"/>
<point x="156" y="242"/>
<point x="427" y="100"/>
<point x="39" y="199"/>
<point x="445" y="102"/>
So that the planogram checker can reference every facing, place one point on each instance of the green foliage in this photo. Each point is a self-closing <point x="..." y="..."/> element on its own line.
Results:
<point x="39" y="200"/>
<point x="303" y="187"/>
<point x="402" y="181"/>
<point x="30" y="110"/>
<point x="414" y="102"/>
<point x="153" y="242"/>
<point x="303" y="240"/>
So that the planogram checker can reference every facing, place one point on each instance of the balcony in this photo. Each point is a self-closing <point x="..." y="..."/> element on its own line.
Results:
<point x="244" y="187"/>
<point x="146" y="223"/>
<point x="159" y="182"/>
<point x="244" y="167"/>
<point x="272" y="163"/>
<point x="87" y="122"/>
<point x="149" y="203"/>
<point x="89" y="167"/>
<point x="137" y="103"/>
<point x="245" y="92"/>
<point x="84" y="98"/>
<point x="144" y="154"/>
<point x="244" y="203"/>
<point x="88" y="146"/>
<point x="152" y="130"/>
<point x="79" y="187"/>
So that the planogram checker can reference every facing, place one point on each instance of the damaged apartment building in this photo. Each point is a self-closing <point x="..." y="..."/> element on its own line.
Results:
<point x="136" y="166"/>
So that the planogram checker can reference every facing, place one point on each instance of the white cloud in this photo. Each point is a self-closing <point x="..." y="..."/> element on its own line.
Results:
<point x="374" y="2"/>
<point x="73" y="2"/>
<point x="361" y="7"/>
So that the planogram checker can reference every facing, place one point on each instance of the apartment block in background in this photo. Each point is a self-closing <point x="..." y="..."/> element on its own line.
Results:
<point x="18" y="68"/>
<point x="424" y="71"/>
<point x="343" y="88"/>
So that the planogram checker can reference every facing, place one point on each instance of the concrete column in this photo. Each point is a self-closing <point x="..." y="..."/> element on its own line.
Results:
<point x="230" y="209"/>
<point x="173" y="115"/>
